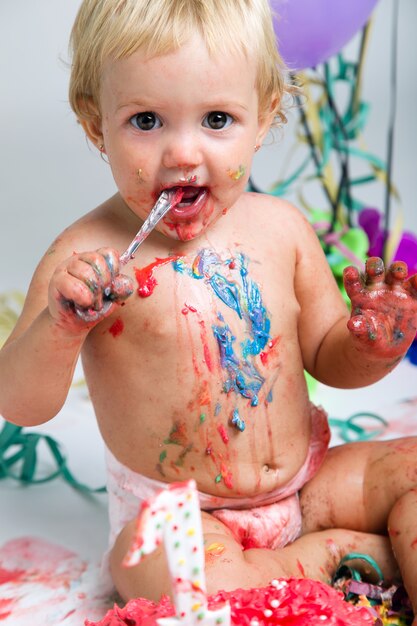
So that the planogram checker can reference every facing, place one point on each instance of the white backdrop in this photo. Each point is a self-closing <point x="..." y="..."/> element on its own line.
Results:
<point x="49" y="176"/>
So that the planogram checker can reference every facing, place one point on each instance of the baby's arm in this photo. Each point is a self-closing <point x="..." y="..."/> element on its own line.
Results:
<point x="38" y="360"/>
<point x="352" y="351"/>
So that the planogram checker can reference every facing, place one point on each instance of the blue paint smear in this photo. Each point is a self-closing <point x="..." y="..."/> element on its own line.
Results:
<point x="242" y="296"/>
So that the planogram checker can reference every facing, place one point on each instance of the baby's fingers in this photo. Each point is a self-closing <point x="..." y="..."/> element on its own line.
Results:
<point x="397" y="273"/>
<point x="362" y="327"/>
<point x="411" y="284"/>
<point x="122" y="287"/>
<point x="69" y="288"/>
<point x="374" y="271"/>
<point x="352" y="281"/>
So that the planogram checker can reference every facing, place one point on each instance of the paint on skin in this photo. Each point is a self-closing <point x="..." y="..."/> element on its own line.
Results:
<point x="237" y="421"/>
<point x="301" y="568"/>
<point x="243" y="297"/>
<point x="178" y="436"/>
<point x="265" y="354"/>
<point x="237" y="174"/>
<point x="206" y="350"/>
<point x="117" y="327"/>
<point x="226" y="476"/>
<point x="188" y="308"/>
<point x="223" y="434"/>
<point x="145" y="277"/>
<point x="213" y="550"/>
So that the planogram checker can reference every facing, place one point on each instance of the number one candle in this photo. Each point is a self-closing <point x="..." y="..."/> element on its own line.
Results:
<point x="173" y="517"/>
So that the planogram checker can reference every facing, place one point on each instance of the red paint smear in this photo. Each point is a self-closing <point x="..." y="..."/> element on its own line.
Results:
<point x="204" y="341"/>
<point x="223" y="433"/>
<point x="414" y="543"/>
<point x="5" y="603"/>
<point x="10" y="576"/>
<point x="178" y="434"/>
<point x="300" y="568"/>
<point x="145" y="278"/>
<point x="187" y="308"/>
<point x="267" y="353"/>
<point x="117" y="327"/>
<point x="227" y="476"/>
<point x="204" y="396"/>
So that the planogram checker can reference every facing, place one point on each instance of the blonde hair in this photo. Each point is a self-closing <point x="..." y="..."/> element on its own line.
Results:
<point x="115" y="29"/>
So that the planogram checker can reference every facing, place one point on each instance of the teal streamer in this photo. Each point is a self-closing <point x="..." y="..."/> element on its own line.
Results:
<point x="19" y="459"/>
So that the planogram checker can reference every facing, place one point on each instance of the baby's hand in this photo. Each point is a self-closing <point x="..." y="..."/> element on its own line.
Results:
<point x="84" y="288"/>
<point x="384" y="307"/>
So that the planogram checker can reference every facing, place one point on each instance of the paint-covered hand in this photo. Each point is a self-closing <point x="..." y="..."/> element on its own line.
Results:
<point x="85" y="288"/>
<point x="384" y="307"/>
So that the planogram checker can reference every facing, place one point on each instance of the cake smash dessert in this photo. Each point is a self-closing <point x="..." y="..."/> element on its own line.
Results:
<point x="173" y="517"/>
<point x="292" y="602"/>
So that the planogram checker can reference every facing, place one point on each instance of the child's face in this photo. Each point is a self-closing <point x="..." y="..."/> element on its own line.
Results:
<point x="183" y="119"/>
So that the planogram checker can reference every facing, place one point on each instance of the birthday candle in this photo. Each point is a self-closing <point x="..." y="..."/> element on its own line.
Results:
<point x="173" y="517"/>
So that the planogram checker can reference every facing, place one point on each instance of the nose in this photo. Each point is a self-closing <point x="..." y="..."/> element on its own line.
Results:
<point x="182" y="150"/>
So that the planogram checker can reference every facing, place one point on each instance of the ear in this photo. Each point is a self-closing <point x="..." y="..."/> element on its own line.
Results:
<point x="266" y="119"/>
<point x="90" y="119"/>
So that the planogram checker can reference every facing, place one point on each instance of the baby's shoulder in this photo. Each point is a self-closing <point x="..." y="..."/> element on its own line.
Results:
<point x="95" y="229"/>
<point x="278" y="215"/>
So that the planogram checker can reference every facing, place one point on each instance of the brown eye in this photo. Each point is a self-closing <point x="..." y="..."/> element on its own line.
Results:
<point x="145" y="121"/>
<point x="217" y="120"/>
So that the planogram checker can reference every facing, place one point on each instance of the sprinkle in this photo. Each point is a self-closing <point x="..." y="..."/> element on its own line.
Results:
<point x="218" y="478"/>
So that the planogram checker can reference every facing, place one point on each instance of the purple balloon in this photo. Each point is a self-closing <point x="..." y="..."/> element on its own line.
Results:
<point x="311" y="31"/>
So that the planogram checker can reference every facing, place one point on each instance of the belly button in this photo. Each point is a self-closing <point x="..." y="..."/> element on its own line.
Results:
<point x="266" y="468"/>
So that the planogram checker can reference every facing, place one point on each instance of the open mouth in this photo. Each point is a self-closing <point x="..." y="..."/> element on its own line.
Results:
<point x="192" y="201"/>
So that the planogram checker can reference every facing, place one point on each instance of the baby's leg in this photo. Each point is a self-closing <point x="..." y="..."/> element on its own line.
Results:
<point x="369" y="487"/>
<point x="228" y="567"/>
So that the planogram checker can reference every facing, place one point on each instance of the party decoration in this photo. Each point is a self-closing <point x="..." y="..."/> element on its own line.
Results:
<point x="309" y="32"/>
<point x="11" y="304"/>
<point x="173" y="517"/>
<point x="371" y="220"/>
